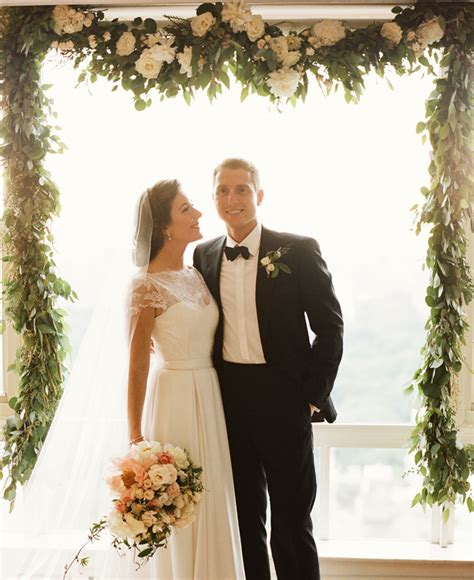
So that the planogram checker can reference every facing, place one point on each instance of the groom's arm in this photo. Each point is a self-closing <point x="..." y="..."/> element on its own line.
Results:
<point x="325" y="319"/>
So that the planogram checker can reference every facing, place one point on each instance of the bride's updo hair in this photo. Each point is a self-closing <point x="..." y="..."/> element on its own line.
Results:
<point x="153" y="216"/>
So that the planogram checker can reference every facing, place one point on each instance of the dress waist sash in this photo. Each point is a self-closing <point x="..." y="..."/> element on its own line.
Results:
<point x="192" y="364"/>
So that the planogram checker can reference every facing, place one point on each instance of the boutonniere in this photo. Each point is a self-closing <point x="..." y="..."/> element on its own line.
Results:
<point x="271" y="262"/>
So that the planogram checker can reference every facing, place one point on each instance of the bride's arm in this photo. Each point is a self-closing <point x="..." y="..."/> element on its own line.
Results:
<point x="138" y="370"/>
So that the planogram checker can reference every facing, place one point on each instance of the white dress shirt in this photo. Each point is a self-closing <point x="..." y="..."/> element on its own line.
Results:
<point x="238" y="281"/>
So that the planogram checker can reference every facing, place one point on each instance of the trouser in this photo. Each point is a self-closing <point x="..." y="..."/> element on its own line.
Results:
<point x="270" y="439"/>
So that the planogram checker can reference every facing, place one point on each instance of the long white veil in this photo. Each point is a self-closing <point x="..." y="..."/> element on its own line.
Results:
<point x="67" y="491"/>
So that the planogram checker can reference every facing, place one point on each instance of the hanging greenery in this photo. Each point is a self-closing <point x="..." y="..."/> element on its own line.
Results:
<point x="186" y="55"/>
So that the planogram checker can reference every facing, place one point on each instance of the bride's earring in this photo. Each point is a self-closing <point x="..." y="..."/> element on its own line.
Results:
<point x="168" y="236"/>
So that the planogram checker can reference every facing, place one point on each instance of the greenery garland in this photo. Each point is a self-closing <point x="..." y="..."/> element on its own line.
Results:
<point x="31" y="288"/>
<point x="199" y="54"/>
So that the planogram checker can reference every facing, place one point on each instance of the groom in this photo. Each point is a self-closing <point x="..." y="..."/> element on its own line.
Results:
<point x="273" y="379"/>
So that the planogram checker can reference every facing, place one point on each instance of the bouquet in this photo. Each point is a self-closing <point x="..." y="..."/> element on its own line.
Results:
<point x="156" y="487"/>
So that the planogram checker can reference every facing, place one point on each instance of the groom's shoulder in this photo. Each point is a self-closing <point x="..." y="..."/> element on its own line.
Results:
<point x="209" y="244"/>
<point x="295" y="240"/>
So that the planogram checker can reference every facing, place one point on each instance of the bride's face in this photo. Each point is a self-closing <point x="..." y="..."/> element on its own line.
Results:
<point x="184" y="224"/>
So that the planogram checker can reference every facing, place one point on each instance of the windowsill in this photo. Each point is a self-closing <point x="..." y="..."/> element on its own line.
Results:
<point x="416" y="550"/>
<point x="395" y="559"/>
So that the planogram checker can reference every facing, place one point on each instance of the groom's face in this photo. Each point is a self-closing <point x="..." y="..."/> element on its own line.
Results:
<point x="237" y="199"/>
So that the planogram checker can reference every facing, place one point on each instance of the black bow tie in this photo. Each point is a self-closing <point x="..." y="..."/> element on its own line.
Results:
<point x="232" y="253"/>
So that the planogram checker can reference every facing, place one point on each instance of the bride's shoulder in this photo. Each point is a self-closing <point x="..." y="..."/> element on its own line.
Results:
<point x="144" y="282"/>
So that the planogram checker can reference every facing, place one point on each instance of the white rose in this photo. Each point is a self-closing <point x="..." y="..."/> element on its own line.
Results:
<point x="147" y="65"/>
<point x="283" y="83"/>
<point x="165" y="499"/>
<point x="61" y="14"/>
<point x="179" y="455"/>
<point x="150" y="40"/>
<point x="328" y="32"/>
<point x="184" y="58"/>
<point x="271" y="267"/>
<point x="172" y="473"/>
<point x="106" y="36"/>
<point x="237" y="14"/>
<point x="157" y="475"/>
<point x="155" y="446"/>
<point x="392" y="32"/>
<point x="118" y="526"/>
<point x="126" y="44"/>
<point x="255" y="27"/>
<point x="202" y="23"/>
<point x="279" y="47"/>
<point x="411" y="36"/>
<point x="429" y="32"/>
<point x="149" y="494"/>
<point x="167" y="518"/>
<point x="179" y="501"/>
<point x="136" y="526"/>
<point x="291" y="58"/>
<point x="148" y="518"/>
<point x="139" y="493"/>
<point x="69" y="28"/>
<point x="67" y="45"/>
<point x="310" y="51"/>
<point x="293" y="42"/>
<point x="54" y="44"/>
<point x="92" y="40"/>
<point x="163" y="474"/>
<point x="88" y="19"/>
<point x="163" y="51"/>
<point x="265" y="261"/>
<point x="147" y="483"/>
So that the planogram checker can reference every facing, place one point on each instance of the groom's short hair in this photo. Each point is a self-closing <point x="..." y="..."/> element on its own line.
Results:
<point x="238" y="163"/>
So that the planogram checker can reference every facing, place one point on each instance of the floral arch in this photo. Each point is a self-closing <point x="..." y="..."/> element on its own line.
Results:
<point x="186" y="55"/>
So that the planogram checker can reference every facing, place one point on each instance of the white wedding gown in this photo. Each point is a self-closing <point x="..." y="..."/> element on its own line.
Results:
<point x="183" y="406"/>
<point x="67" y="491"/>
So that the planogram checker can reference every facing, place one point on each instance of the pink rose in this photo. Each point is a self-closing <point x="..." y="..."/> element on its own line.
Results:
<point x="165" y="458"/>
<point x="173" y="490"/>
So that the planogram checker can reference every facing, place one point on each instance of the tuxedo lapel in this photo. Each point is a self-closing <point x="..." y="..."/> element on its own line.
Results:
<point x="214" y="262"/>
<point x="265" y="285"/>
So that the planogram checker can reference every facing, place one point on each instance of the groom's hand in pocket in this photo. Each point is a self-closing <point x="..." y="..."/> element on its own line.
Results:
<point x="313" y="409"/>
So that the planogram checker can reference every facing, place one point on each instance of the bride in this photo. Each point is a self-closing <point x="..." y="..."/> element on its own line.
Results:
<point x="173" y="396"/>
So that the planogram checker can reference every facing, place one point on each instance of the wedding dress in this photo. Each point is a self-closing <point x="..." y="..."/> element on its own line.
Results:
<point x="183" y="406"/>
<point x="67" y="490"/>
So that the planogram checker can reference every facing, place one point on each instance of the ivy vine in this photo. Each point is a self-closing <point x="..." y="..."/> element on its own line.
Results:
<point x="187" y="55"/>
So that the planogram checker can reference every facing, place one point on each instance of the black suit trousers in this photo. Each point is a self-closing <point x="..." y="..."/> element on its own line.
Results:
<point x="270" y="438"/>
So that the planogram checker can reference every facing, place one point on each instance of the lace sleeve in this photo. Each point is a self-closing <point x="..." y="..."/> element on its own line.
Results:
<point x="145" y="294"/>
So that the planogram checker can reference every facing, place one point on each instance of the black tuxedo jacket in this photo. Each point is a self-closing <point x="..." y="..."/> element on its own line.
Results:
<point x="283" y="303"/>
